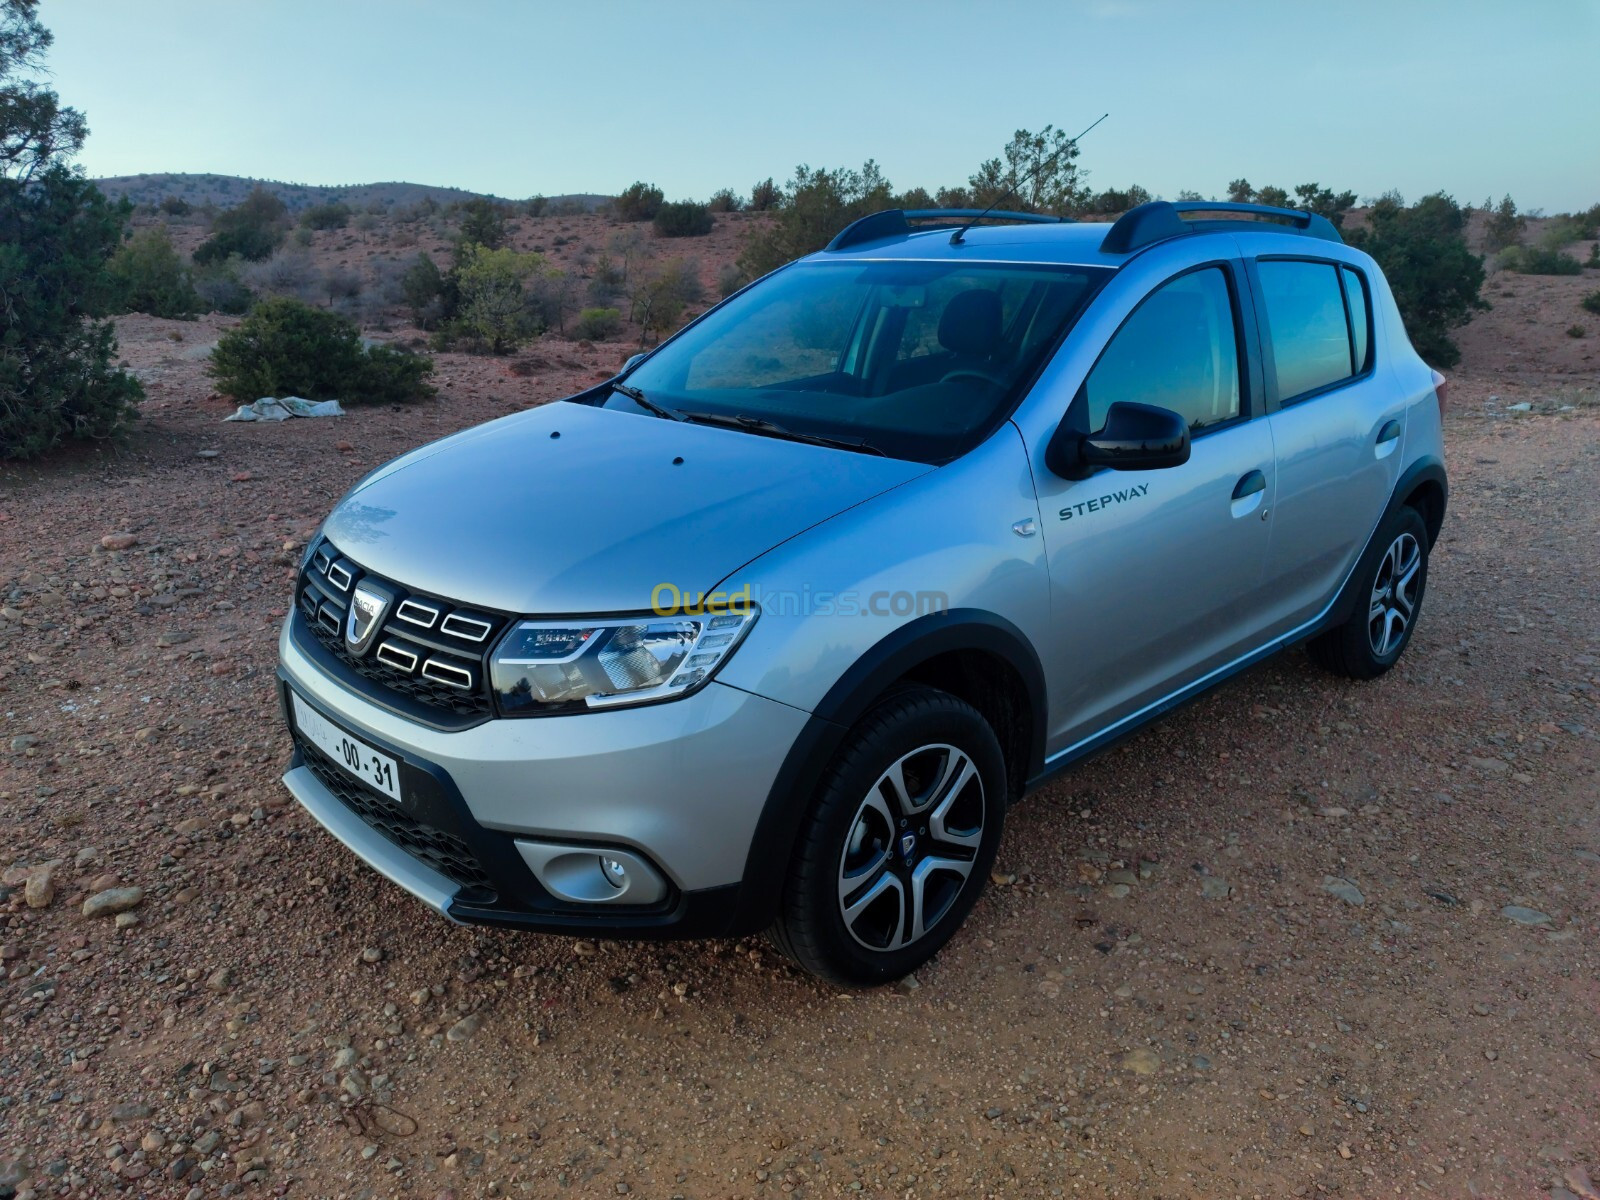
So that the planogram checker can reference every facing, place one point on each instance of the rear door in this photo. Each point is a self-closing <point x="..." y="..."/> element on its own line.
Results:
<point x="1337" y="424"/>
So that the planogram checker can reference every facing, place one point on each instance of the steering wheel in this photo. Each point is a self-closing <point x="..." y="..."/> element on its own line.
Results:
<point x="973" y="373"/>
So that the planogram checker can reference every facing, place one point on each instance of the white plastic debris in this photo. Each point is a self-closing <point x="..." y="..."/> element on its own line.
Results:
<point x="270" y="408"/>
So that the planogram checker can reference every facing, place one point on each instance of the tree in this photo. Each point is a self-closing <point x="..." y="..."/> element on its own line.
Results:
<point x="1037" y="172"/>
<point x="725" y="200"/>
<point x="1434" y="276"/>
<point x="765" y="196"/>
<point x="1506" y="225"/>
<point x="57" y="232"/>
<point x="483" y="223"/>
<point x="816" y="205"/>
<point x="639" y="202"/>
<point x="1324" y="202"/>
<point x="423" y="286"/>
<point x="325" y="216"/>
<point x="494" y="304"/>
<point x="151" y="278"/>
<point x="1114" y="201"/>
<point x="252" y="229"/>
<point x="1240" y="192"/>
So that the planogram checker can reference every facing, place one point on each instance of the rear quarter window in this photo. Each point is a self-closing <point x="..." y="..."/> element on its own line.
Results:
<point x="1308" y="325"/>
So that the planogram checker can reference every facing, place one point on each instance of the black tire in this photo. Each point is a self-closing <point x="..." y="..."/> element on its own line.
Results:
<point x="923" y="738"/>
<point x="1357" y="649"/>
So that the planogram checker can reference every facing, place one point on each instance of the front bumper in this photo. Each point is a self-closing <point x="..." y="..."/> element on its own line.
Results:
<point x="681" y="785"/>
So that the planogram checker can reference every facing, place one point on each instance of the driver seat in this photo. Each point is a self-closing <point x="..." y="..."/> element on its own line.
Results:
<point x="969" y="328"/>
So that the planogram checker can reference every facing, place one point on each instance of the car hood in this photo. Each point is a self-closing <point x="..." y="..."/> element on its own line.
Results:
<point x="568" y="509"/>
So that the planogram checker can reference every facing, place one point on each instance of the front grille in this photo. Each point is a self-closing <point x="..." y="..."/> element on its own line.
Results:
<point x="431" y="650"/>
<point x="444" y="852"/>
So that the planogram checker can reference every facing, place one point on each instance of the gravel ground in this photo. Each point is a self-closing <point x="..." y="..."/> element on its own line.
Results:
<point x="1304" y="937"/>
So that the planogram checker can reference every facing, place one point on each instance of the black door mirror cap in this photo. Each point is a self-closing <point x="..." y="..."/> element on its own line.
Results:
<point x="1135" y="437"/>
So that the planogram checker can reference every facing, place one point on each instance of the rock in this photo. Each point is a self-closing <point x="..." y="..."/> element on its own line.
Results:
<point x="220" y="980"/>
<point x="1215" y="887"/>
<point x="174" y="637"/>
<point x="1522" y="406"/>
<point x="1143" y="1061"/>
<point x="1526" y="916"/>
<point x="127" y="920"/>
<point x="23" y="741"/>
<point x="208" y="453"/>
<point x="40" y="889"/>
<point x="371" y="954"/>
<point x="1343" y="889"/>
<point x="119" y="541"/>
<point x="1200" y="1062"/>
<point x="1492" y="766"/>
<point x="344" y="1057"/>
<point x="131" y="1111"/>
<point x="355" y="1082"/>
<point x="112" y="901"/>
<point x="464" y="1028"/>
<point x="85" y="856"/>
<point x="242" y="477"/>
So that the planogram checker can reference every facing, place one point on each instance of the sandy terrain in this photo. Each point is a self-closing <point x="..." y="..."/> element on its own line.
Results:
<point x="1302" y="938"/>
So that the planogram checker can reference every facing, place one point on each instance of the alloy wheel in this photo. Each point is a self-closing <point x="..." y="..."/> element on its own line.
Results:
<point x="911" y="847"/>
<point x="1394" y="595"/>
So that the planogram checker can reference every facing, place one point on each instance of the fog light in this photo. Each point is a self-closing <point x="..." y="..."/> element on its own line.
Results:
<point x="615" y="873"/>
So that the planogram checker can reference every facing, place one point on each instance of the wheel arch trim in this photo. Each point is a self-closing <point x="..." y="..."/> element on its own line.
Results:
<point x="890" y="659"/>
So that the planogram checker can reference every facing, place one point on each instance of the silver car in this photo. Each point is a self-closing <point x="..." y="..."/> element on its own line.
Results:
<point x="769" y="630"/>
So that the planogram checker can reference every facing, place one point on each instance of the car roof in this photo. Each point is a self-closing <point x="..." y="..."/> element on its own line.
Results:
<point x="1035" y="238"/>
<point x="1069" y="242"/>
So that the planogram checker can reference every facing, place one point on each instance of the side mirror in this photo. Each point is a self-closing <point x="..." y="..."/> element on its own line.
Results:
<point x="633" y="361"/>
<point x="1135" y="437"/>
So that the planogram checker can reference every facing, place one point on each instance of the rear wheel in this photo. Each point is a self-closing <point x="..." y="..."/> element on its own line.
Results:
<point x="898" y="843"/>
<point x="1391" y="585"/>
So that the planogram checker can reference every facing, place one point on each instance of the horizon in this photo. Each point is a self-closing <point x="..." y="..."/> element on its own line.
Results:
<point x="1442" y="103"/>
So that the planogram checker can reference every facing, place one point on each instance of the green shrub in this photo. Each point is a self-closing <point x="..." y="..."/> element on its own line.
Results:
<point x="175" y="206"/>
<point x="1434" y="276"/>
<point x="483" y="223"/>
<point x="729" y="280"/>
<point x="598" y="324"/>
<point x="221" y="289"/>
<point x="1539" y="260"/>
<point x="325" y="216"/>
<point x="1577" y="331"/>
<point x="422" y="285"/>
<point x="151" y="278"/>
<point x="682" y="218"/>
<point x="288" y="348"/>
<point x="725" y="200"/>
<point x="253" y="229"/>
<point x="1594" y="256"/>
<point x="639" y="202"/>
<point x="1591" y="302"/>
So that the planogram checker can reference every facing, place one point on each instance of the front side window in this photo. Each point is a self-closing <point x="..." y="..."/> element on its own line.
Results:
<point x="919" y="360"/>
<point x="1308" y="326"/>
<point x="1179" y="350"/>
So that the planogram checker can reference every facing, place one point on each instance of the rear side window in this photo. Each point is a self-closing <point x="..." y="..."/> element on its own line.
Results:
<point x="1179" y="350"/>
<point x="1355" y="295"/>
<point x="1307" y="324"/>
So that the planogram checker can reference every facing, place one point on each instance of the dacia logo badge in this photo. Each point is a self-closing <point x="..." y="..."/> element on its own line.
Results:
<point x="368" y="606"/>
<point x="908" y="845"/>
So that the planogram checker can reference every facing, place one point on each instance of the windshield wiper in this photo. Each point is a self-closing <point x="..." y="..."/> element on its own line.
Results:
<point x="767" y="428"/>
<point x="644" y="402"/>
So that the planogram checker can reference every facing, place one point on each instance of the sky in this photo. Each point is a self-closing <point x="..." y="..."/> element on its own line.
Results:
<point x="517" y="97"/>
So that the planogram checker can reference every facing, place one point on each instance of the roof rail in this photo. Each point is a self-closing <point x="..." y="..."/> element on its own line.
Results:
<point x="1161" y="219"/>
<point x="896" y="222"/>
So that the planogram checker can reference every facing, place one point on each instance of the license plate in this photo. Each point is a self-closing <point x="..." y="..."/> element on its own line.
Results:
<point x="355" y="756"/>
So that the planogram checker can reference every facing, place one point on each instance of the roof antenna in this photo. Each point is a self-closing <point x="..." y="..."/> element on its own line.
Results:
<point x="956" y="237"/>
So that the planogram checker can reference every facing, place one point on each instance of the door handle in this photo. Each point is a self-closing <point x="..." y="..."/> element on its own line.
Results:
<point x="1390" y="431"/>
<point x="1249" y="484"/>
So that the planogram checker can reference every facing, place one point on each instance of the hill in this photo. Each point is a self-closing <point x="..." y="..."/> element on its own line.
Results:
<point x="227" y="190"/>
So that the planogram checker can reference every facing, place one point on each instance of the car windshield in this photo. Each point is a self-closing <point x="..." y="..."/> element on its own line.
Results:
<point x="916" y="360"/>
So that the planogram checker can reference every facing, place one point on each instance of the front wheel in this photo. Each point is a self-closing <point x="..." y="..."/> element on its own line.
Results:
<point x="899" y="841"/>
<point x="1391" y="583"/>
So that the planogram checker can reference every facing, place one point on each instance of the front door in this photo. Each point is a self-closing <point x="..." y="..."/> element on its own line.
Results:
<point x="1156" y="576"/>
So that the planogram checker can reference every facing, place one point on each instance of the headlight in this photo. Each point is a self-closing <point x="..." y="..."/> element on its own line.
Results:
<point x="554" y="665"/>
